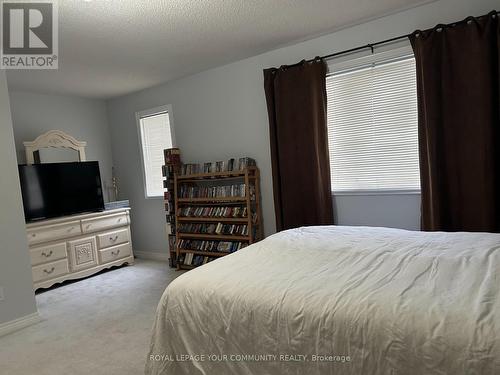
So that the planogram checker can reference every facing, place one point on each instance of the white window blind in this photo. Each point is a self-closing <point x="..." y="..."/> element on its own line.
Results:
<point x="372" y="126"/>
<point x="156" y="136"/>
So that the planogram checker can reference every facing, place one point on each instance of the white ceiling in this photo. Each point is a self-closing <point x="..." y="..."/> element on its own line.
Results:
<point x="113" y="47"/>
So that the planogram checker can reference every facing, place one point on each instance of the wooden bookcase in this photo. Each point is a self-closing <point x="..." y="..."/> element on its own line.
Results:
<point x="172" y="157"/>
<point x="249" y="176"/>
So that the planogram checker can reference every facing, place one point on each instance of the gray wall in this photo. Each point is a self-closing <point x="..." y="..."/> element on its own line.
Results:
<point x="222" y="112"/>
<point x="85" y="119"/>
<point x="379" y="210"/>
<point x="15" y="268"/>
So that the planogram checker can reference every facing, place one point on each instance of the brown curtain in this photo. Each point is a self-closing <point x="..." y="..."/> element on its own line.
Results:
<point x="296" y="104"/>
<point x="459" y="124"/>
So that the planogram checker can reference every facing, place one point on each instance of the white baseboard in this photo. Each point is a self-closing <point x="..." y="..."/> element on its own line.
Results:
<point x="17" y="324"/>
<point x="163" y="257"/>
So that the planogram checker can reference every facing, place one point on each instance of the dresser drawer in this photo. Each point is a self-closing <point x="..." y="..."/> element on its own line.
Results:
<point x="116" y="237"/>
<point x="50" y="270"/>
<point x="97" y="224"/>
<point x="82" y="253"/>
<point x="115" y="253"/>
<point x="53" y="232"/>
<point x="48" y="253"/>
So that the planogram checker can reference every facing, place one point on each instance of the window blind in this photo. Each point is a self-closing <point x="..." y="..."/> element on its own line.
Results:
<point x="155" y="137"/>
<point x="372" y="127"/>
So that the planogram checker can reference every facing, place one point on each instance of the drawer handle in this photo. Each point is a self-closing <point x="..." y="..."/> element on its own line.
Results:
<point x="33" y="234"/>
<point x="113" y="239"/>
<point x="49" y="272"/>
<point x="115" y="253"/>
<point x="88" y="226"/>
<point x="46" y="255"/>
<point x="120" y="219"/>
<point x="70" y="229"/>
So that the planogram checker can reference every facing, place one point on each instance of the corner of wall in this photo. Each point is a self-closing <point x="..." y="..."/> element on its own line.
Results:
<point x="15" y="267"/>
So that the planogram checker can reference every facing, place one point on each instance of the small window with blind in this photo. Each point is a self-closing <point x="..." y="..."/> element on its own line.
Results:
<point x="155" y="134"/>
<point x="372" y="123"/>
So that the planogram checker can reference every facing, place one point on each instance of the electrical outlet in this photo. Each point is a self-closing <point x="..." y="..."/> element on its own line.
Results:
<point x="1" y="293"/>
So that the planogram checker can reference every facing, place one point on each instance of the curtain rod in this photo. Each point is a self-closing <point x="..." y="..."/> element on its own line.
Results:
<point x="369" y="45"/>
<point x="390" y="40"/>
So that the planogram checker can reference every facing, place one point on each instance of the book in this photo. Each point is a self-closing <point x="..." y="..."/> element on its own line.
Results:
<point x="246" y="162"/>
<point x="172" y="155"/>
<point x="235" y="190"/>
<point x="172" y="241"/>
<point x="213" y="211"/>
<point x="211" y="245"/>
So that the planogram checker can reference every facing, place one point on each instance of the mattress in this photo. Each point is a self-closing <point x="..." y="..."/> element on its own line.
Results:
<point x="336" y="300"/>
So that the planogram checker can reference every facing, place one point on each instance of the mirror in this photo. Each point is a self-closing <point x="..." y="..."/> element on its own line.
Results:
<point x="55" y="146"/>
<point x="56" y="155"/>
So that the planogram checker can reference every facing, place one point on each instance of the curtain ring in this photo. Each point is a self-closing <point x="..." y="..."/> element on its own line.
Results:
<point x="439" y="27"/>
<point x="470" y="19"/>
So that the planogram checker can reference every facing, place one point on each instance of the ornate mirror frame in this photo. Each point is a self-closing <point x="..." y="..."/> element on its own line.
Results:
<point x="55" y="139"/>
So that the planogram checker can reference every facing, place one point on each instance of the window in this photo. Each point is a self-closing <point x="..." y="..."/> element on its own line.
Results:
<point x="155" y="134"/>
<point x="372" y="123"/>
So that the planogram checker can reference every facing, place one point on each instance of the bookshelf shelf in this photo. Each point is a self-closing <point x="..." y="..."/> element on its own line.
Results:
<point x="216" y="175"/>
<point x="214" y="199"/>
<point x="185" y="267"/>
<point x="204" y="253"/>
<point x="212" y="219"/>
<point x="222" y="237"/>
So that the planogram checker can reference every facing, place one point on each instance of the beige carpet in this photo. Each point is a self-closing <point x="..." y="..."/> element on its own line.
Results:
<point x="100" y="325"/>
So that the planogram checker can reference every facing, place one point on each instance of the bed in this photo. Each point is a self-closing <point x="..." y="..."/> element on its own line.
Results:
<point x="336" y="300"/>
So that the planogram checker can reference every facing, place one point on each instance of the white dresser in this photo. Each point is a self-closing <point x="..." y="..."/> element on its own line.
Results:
<point x="77" y="246"/>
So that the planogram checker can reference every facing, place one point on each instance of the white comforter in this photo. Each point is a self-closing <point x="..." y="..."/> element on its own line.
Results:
<point x="337" y="300"/>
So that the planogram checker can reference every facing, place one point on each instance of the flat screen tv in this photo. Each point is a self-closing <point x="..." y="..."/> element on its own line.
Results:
<point x="58" y="189"/>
